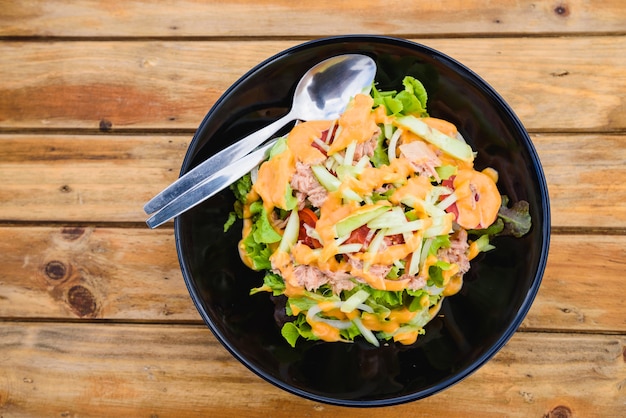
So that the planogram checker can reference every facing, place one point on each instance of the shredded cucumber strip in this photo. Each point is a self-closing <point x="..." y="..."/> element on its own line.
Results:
<point x="349" y="155"/>
<point x="290" y="236"/>
<point x="353" y="301"/>
<point x="393" y="143"/>
<point x="332" y="183"/>
<point x="451" y="146"/>
<point x="367" y="334"/>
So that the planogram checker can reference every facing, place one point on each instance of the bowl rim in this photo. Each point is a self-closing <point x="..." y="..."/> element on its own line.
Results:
<point x="545" y="232"/>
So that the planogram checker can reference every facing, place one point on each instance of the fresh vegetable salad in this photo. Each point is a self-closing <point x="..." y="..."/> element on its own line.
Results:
<point x="365" y="224"/>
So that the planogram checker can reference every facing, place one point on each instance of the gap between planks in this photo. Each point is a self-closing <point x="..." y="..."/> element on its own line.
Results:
<point x="555" y="230"/>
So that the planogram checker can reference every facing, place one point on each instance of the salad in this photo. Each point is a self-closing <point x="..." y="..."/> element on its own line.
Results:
<point x="364" y="224"/>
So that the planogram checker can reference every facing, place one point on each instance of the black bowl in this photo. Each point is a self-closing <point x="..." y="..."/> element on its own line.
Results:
<point x="472" y="326"/>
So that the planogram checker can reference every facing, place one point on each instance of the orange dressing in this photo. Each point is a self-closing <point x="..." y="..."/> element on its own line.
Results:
<point x="393" y="252"/>
<point x="476" y="213"/>
<point x="356" y="124"/>
<point x="473" y="250"/>
<point x="402" y="316"/>
<point x="454" y="286"/>
<point x="373" y="178"/>
<point x="379" y="283"/>
<point x="281" y="261"/>
<point x="273" y="177"/>
<point x="406" y="338"/>
<point x="416" y="187"/>
<point x="441" y="125"/>
<point x="332" y="211"/>
<point x="324" y="331"/>
<point x="381" y="117"/>
<point x="301" y="138"/>
<point x="372" y="322"/>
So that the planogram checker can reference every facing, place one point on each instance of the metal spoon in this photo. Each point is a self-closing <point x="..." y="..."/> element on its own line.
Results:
<point x="322" y="94"/>
<point x="210" y="186"/>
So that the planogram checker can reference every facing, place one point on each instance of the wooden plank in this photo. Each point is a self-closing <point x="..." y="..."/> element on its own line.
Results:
<point x="82" y="178"/>
<point x="133" y="274"/>
<point x="85" y="178"/>
<point x="325" y="17"/>
<point x="582" y="273"/>
<point x="129" y="370"/>
<point x="86" y="272"/>
<point x="586" y="177"/>
<point x="171" y="85"/>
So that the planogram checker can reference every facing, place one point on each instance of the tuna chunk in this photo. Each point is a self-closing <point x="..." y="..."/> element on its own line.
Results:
<point x="457" y="253"/>
<point x="422" y="158"/>
<point x="366" y="148"/>
<point x="307" y="187"/>
<point x="312" y="278"/>
<point x="415" y="282"/>
<point x="377" y="270"/>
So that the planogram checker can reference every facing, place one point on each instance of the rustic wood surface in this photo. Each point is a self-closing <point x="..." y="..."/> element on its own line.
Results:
<point x="98" y="103"/>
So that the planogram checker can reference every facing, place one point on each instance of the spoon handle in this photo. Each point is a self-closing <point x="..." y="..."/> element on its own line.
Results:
<point x="209" y="186"/>
<point x="214" y="164"/>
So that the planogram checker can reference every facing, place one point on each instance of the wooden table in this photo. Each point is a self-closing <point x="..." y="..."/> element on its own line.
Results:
<point x="98" y="102"/>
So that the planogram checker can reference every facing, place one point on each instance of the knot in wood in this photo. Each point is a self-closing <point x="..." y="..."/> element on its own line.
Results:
<point x="72" y="233"/>
<point x="105" y="125"/>
<point x="55" y="270"/>
<point x="82" y="301"/>
<point x="562" y="10"/>
<point x="560" y="411"/>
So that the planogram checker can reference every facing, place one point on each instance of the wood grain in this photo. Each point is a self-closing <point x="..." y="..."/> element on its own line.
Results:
<point x="86" y="272"/>
<point x="98" y="103"/>
<point x="132" y="274"/>
<point x="109" y="85"/>
<point x="83" y="178"/>
<point x="284" y="18"/>
<point x="129" y="370"/>
<point x="583" y="285"/>
<point x="586" y="177"/>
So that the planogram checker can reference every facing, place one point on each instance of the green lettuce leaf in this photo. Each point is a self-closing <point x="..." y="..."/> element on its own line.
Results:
<point x="410" y="101"/>
<point x="258" y="252"/>
<point x="271" y="282"/>
<point x="415" y="88"/>
<point x="240" y="189"/>
<point x="380" y="156"/>
<point x="435" y="272"/>
<point x="262" y="230"/>
<point x="256" y="244"/>
<point x="517" y="220"/>
<point x="291" y="331"/>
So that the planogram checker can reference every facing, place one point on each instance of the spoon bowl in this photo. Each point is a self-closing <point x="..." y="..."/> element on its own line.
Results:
<point x="322" y="93"/>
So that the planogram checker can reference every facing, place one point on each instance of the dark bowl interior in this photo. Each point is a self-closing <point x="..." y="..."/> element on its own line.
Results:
<point x="472" y="326"/>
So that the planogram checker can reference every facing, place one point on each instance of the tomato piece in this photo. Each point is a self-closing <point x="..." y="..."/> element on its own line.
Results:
<point x="449" y="182"/>
<point x="394" y="239"/>
<point x="453" y="209"/>
<point x="359" y="236"/>
<point x="328" y="136"/>
<point x="320" y="149"/>
<point x="308" y="217"/>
